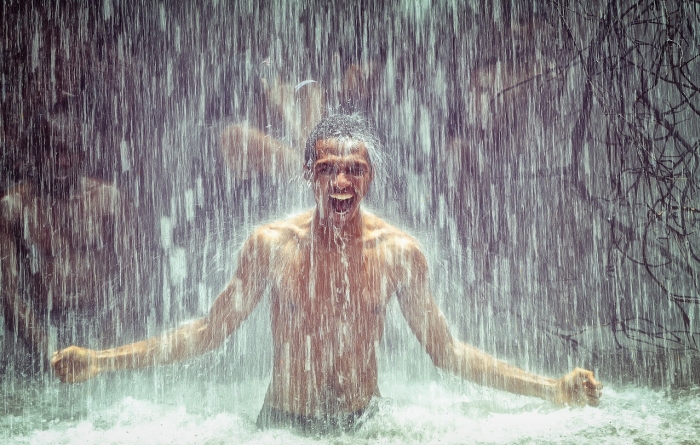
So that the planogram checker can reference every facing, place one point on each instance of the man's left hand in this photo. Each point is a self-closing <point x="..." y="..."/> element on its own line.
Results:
<point x="578" y="388"/>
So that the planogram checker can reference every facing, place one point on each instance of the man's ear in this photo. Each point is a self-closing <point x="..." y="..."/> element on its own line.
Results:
<point x="307" y="172"/>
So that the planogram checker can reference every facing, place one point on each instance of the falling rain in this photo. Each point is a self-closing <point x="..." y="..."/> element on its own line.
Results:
<point x="543" y="154"/>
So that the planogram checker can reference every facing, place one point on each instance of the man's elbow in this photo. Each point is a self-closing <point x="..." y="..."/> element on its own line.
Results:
<point x="209" y="337"/>
<point x="456" y="360"/>
<point x="444" y="357"/>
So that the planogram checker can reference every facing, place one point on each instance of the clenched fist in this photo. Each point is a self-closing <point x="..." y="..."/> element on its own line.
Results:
<point x="578" y="388"/>
<point x="74" y="364"/>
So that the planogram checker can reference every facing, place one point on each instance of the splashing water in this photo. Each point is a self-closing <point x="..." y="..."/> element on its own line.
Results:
<point x="412" y="412"/>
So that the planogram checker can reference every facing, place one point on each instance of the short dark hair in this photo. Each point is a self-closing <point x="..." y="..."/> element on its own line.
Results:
<point x="343" y="126"/>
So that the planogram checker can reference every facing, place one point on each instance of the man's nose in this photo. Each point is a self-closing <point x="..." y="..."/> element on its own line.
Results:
<point x="342" y="181"/>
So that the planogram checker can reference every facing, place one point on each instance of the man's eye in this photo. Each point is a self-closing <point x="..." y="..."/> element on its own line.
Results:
<point x="324" y="169"/>
<point x="356" y="171"/>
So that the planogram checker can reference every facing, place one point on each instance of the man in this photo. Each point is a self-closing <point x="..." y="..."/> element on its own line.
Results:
<point x="330" y="273"/>
<point x="67" y="258"/>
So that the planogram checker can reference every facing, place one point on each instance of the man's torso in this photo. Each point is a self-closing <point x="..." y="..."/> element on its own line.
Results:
<point x="328" y="308"/>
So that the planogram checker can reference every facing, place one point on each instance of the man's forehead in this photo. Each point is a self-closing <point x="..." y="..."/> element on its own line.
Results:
<point x="341" y="147"/>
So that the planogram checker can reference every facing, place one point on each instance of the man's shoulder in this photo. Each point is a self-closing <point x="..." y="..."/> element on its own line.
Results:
<point x="297" y="226"/>
<point x="378" y="231"/>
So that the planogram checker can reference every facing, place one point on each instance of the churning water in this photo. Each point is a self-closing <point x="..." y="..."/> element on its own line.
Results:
<point x="143" y="409"/>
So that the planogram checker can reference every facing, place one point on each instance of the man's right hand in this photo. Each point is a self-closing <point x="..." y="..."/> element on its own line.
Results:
<point x="74" y="364"/>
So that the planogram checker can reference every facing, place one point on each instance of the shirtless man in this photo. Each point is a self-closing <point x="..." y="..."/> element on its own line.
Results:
<point x="64" y="254"/>
<point x="331" y="273"/>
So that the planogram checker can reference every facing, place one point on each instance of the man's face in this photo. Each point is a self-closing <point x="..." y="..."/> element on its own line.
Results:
<point x="64" y="150"/>
<point x="341" y="178"/>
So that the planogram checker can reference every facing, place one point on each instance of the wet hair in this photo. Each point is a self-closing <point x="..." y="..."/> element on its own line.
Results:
<point x="344" y="126"/>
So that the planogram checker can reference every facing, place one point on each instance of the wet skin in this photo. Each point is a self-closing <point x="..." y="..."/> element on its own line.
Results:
<point x="331" y="272"/>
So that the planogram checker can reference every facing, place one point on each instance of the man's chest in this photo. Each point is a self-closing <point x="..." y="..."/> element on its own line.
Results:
<point x="313" y="290"/>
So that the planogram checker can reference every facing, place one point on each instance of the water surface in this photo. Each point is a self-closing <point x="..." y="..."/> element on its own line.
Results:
<point x="162" y="408"/>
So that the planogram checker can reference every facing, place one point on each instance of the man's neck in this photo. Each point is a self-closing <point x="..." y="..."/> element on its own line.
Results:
<point x="333" y="236"/>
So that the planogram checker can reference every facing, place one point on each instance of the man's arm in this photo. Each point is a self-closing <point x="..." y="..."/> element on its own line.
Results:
<point x="248" y="150"/>
<point x="301" y="107"/>
<point x="18" y="314"/>
<point x="428" y="324"/>
<point x="230" y="309"/>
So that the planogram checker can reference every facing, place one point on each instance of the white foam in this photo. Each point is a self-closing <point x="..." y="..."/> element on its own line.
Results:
<point x="410" y="413"/>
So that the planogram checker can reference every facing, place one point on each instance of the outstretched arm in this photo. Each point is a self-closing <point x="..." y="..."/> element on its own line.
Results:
<point x="425" y="319"/>
<point x="301" y="106"/>
<point x="230" y="309"/>
<point x="248" y="150"/>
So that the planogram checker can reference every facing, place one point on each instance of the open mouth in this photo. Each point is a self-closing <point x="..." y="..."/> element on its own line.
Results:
<point x="341" y="202"/>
